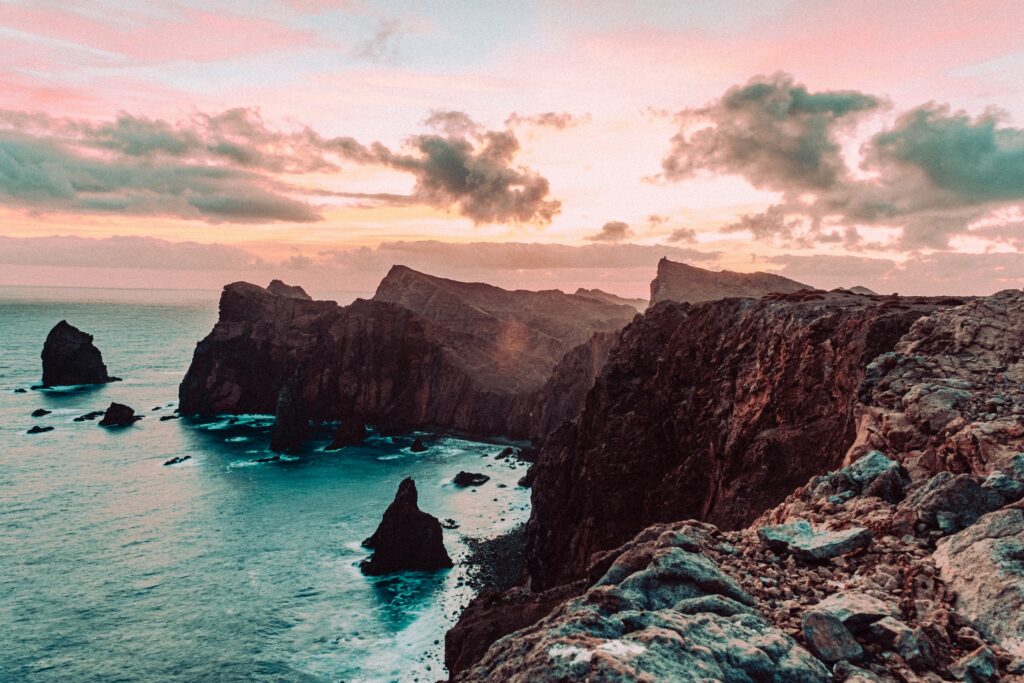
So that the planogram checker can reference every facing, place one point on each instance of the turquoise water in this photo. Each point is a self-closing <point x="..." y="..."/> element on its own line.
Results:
<point x="116" y="568"/>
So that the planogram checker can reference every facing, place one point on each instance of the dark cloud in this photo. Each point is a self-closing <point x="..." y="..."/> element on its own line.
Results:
<point x="683" y="235"/>
<point x="549" y="119"/>
<point x="772" y="131"/>
<point x="612" y="231"/>
<point x="931" y="174"/>
<point x="219" y="167"/>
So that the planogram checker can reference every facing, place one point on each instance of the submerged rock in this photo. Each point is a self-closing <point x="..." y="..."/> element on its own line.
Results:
<point x="119" y="415"/>
<point x="89" y="416"/>
<point x="165" y="418"/>
<point x="69" y="357"/>
<point x="470" y="479"/>
<point x="803" y="541"/>
<point x="407" y="539"/>
<point x="39" y="412"/>
<point x="418" y="446"/>
<point x="177" y="459"/>
<point x="39" y="430"/>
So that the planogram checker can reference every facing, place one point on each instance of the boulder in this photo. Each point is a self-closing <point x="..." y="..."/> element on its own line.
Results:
<point x="857" y="611"/>
<point x="978" y="666"/>
<point x="39" y="430"/>
<point x="92" y="415"/>
<point x="165" y="418"/>
<point x="119" y="415"/>
<point x="803" y="541"/>
<point x="470" y="479"/>
<point x="951" y="502"/>
<point x="828" y="638"/>
<point x="177" y="459"/>
<point x="39" y="412"/>
<point x="69" y="357"/>
<point x="984" y="565"/>
<point x="418" y="446"/>
<point x="407" y="539"/>
<point x="350" y="431"/>
<point x="291" y="421"/>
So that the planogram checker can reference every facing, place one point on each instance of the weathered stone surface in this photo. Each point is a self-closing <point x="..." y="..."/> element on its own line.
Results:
<point x="801" y="539"/>
<point x="407" y="539"/>
<point x="714" y="411"/>
<point x="829" y="639"/>
<point x="856" y="610"/>
<point x="984" y="565"/>
<point x="684" y="283"/>
<point x="119" y="415"/>
<point x="625" y="628"/>
<point x="69" y="357"/>
<point x="350" y="431"/>
<point x="951" y="502"/>
<point x="291" y="419"/>
<point x="977" y="667"/>
<point x="291" y="291"/>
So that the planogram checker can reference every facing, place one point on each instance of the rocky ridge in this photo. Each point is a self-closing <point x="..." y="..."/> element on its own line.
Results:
<point x="684" y="283"/>
<point x="930" y="589"/>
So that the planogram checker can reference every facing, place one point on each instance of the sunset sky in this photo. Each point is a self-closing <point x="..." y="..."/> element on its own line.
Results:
<point x="530" y="144"/>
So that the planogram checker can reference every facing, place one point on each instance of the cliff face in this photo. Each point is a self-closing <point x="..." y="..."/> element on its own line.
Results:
<point x="639" y="304"/>
<point x="688" y="284"/>
<point x="509" y="340"/>
<point x="455" y="368"/>
<point x="714" y="411"/>
<point x="69" y="357"/>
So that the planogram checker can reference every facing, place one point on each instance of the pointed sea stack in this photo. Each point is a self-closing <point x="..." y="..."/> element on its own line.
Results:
<point x="407" y="539"/>
<point x="69" y="357"/>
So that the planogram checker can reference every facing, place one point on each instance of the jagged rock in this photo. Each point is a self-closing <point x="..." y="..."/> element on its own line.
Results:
<point x="449" y="523"/>
<point x="69" y="357"/>
<point x="418" y="446"/>
<point x="89" y="416"/>
<point x="844" y="672"/>
<point x="526" y="481"/>
<point x="470" y="479"/>
<point x="407" y="539"/>
<point x="425" y="353"/>
<point x="625" y="628"/>
<point x="119" y="415"/>
<point x="1008" y="488"/>
<point x="856" y="610"/>
<point x="803" y="541"/>
<point x="951" y="502"/>
<point x="681" y="282"/>
<point x="984" y="565"/>
<point x="39" y="430"/>
<point x="977" y="667"/>
<point x="737" y="402"/>
<point x="350" y="431"/>
<point x="176" y="460"/>
<point x="40" y="412"/>
<point x="505" y="453"/>
<point x="291" y="420"/>
<point x="829" y="639"/>
<point x="290" y="291"/>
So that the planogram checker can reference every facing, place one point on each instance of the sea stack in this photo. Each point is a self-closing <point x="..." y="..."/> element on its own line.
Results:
<point x="407" y="539"/>
<point x="119" y="415"/>
<point x="69" y="357"/>
<point x="291" y="421"/>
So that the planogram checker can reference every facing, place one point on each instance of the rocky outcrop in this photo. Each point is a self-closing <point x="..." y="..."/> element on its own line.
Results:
<point x="509" y="340"/>
<point x="290" y="291"/>
<point x="639" y="304"/>
<point x="350" y="431"/>
<point x="291" y="419"/>
<point x="659" y="609"/>
<point x="407" y="539"/>
<point x="69" y="358"/>
<point x="119" y="415"/>
<point x="470" y="479"/>
<point x="467" y="368"/>
<point x="688" y="284"/>
<point x="950" y="396"/>
<point x="714" y="411"/>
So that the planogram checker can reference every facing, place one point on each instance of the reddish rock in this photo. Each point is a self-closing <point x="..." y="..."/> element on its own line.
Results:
<point x="407" y="539"/>
<point x="291" y="291"/>
<point x="684" y="283"/>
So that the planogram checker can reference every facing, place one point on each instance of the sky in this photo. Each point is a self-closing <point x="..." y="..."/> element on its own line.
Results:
<point x="532" y="144"/>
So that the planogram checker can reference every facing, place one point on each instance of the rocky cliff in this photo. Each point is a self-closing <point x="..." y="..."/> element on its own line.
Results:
<point x="69" y="357"/>
<point x="903" y="565"/>
<point x="684" y="283"/>
<point x="472" y="361"/>
<point x="639" y="304"/>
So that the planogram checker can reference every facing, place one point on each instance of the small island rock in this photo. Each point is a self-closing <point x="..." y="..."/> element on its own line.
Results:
<point x="69" y="357"/>
<point x="119" y="415"/>
<point x="418" y="446"/>
<point x="407" y="539"/>
<point x="470" y="479"/>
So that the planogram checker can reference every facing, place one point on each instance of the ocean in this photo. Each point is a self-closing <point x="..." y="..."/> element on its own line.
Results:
<point x="114" y="567"/>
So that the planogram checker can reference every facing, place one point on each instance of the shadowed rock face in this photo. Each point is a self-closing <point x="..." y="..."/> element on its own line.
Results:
<point x="291" y="419"/>
<point x="292" y="291"/>
<point x="395" y="369"/>
<point x="509" y="340"/>
<point x="69" y="357"/>
<point x="407" y="539"/>
<point x="714" y="411"/>
<point x="639" y="304"/>
<point x="688" y="284"/>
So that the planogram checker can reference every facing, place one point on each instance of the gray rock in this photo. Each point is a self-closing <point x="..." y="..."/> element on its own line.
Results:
<point x="828" y="638"/>
<point x="984" y="565"/>
<point x="803" y="541"/>
<point x="848" y="673"/>
<point x="976" y="667"/>
<point x="856" y="610"/>
<point x="951" y="502"/>
<point x="1008" y="488"/>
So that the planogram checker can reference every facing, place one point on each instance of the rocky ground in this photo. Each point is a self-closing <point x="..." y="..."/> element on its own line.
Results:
<point x="906" y="564"/>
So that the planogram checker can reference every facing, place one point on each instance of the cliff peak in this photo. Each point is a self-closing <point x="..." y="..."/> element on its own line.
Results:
<point x="689" y="284"/>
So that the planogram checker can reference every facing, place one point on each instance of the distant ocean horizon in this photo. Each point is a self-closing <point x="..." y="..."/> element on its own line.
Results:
<point x="118" y="568"/>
